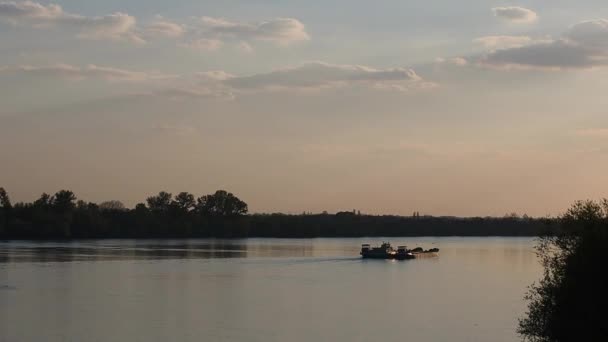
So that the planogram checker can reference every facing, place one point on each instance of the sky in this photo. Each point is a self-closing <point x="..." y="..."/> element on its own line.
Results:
<point x="467" y="108"/>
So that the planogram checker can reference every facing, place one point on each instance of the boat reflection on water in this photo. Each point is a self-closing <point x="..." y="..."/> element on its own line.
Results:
<point x="386" y="251"/>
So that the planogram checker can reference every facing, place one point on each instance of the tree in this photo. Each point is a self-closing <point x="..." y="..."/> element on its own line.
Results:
<point x="112" y="205"/>
<point x="141" y="208"/>
<point x="222" y="203"/>
<point x="569" y="302"/>
<point x="63" y="204"/>
<point x="184" y="201"/>
<point x="160" y="202"/>
<point x="5" y="201"/>
<point x="6" y="207"/>
<point x="44" y="201"/>
<point x="64" y="201"/>
<point x="512" y="215"/>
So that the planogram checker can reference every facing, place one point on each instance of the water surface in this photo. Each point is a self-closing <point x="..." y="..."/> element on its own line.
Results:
<point x="262" y="290"/>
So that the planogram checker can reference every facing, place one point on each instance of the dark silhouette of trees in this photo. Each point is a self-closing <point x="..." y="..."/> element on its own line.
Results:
<point x="221" y="203"/>
<point x="5" y="209"/>
<point x="184" y="201"/>
<point x="5" y="201"/>
<point x="569" y="302"/>
<point x="63" y="201"/>
<point x="160" y="202"/>
<point x="44" y="201"/>
<point x="112" y="205"/>
<point x="223" y="214"/>
<point x="140" y="207"/>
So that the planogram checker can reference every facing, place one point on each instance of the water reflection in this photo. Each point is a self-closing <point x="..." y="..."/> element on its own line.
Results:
<point x="517" y="250"/>
<point x="146" y="249"/>
<point x="262" y="290"/>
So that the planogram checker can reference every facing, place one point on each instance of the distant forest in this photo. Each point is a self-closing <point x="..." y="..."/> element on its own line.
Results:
<point x="223" y="215"/>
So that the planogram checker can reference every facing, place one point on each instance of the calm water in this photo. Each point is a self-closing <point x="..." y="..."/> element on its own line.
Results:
<point x="262" y="290"/>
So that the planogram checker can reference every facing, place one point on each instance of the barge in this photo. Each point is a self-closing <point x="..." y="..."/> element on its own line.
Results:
<point x="386" y="251"/>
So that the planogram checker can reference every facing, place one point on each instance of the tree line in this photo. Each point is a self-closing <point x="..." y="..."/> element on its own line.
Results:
<point x="222" y="214"/>
<point x="567" y="304"/>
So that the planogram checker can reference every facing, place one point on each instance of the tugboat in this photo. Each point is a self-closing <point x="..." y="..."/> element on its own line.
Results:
<point x="386" y="251"/>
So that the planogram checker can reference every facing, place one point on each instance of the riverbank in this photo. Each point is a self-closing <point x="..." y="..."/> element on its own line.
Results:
<point x="133" y="224"/>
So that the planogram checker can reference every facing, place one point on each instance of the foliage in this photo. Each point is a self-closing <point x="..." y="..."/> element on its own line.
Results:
<point x="160" y="202"/>
<point x="5" y="201"/>
<point x="44" y="201"/>
<point x="64" y="201"/>
<point x="569" y="302"/>
<point x="221" y="203"/>
<point x="184" y="201"/>
<point x="5" y="208"/>
<point x="222" y="214"/>
<point x="112" y="205"/>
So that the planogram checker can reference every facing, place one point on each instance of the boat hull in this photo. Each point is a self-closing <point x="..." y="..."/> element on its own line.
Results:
<point x="388" y="256"/>
<point x="386" y="251"/>
<point x="405" y="257"/>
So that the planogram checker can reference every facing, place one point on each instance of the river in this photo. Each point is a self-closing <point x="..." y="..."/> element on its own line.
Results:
<point x="263" y="290"/>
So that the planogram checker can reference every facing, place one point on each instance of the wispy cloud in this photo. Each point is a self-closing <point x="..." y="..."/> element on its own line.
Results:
<point x="281" y="30"/>
<point x="503" y="42"/>
<point x="220" y="84"/>
<point x="583" y="45"/>
<point x="204" y="45"/>
<point x="312" y="76"/>
<point x="91" y="71"/>
<point x="203" y="34"/>
<point x="211" y="34"/>
<point x="460" y="61"/>
<point x="318" y="75"/>
<point x="164" y="28"/>
<point x="116" y="26"/>
<point x="515" y="14"/>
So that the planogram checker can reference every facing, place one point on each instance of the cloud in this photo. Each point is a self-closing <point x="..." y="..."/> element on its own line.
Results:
<point x="553" y="55"/>
<point x="213" y="76"/>
<point x="281" y="30"/>
<point x="164" y="28"/>
<point x="195" y="92"/>
<point x="515" y="14"/>
<point x="592" y="33"/>
<point x="308" y="76"/>
<point x="205" y="45"/>
<point x="459" y="61"/>
<point x="223" y="85"/>
<point x="154" y="84"/>
<point x="316" y="75"/>
<point x="116" y="26"/>
<point x="29" y="10"/>
<point x="584" y="45"/>
<point x="200" y="85"/>
<point x="88" y="72"/>
<point x="204" y="34"/>
<point x="503" y="42"/>
<point x="211" y="34"/>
